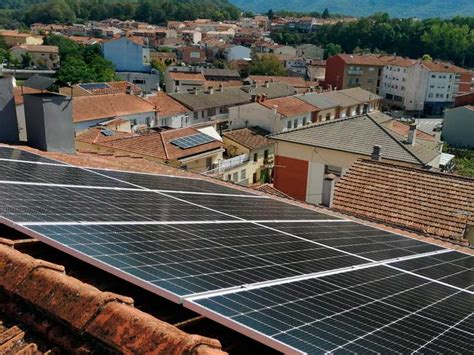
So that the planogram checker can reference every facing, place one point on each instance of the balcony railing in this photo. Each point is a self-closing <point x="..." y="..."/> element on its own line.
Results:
<point x="227" y="164"/>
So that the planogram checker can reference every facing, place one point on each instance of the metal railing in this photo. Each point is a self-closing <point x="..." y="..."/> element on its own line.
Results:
<point x="227" y="164"/>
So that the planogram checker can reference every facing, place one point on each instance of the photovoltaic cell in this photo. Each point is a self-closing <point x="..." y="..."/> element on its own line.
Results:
<point x="453" y="268"/>
<point x="256" y="209"/>
<point x="17" y="154"/>
<point x="367" y="311"/>
<point x="167" y="183"/>
<point x="22" y="203"/>
<point x="365" y="241"/>
<point x="187" y="259"/>
<point x="192" y="140"/>
<point x="50" y="174"/>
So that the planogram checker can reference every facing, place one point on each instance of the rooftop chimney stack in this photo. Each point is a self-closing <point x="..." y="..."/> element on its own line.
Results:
<point x="211" y="91"/>
<point x="129" y="91"/>
<point x="275" y="109"/>
<point x="221" y="87"/>
<point x="254" y="97"/>
<point x="412" y="134"/>
<point x="377" y="153"/>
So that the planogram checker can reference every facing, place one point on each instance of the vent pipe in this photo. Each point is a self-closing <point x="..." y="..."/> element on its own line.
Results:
<point x="377" y="153"/>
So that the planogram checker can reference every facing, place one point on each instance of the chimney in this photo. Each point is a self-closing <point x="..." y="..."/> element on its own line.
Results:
<point x="275" y="109"/>
<point x="211" y="91"/>
<point x="254" y="97"/>
<point x="195" y="92"/>
<point x="469" y="233"/>
<point x="254" y="84"/>
<point x="377" y="153"/>
<point x="412" y="134"/>
<point x="221" y="87"/>
<point x="129" y="90"/>
<point x="264" y="97"/>
<point x="272" y="80"/>
<point x="267" y="84"/>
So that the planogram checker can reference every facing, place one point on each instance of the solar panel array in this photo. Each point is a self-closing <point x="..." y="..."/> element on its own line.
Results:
<point x="298" y="280"/>
<point x="94" y="86"/>
<point x="192" y="141"/>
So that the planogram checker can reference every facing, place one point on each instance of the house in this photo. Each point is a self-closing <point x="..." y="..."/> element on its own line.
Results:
<point x="458" y="127"/>
<point x="253" y="150"/>
<point x="215" y="74"/>
<point x="328" y="109"/>
<point x="88" y="111"/>
<point x="273" y="115"/>
<point x="191" y="55"/>
<point x="316" y="70"/>
<point x="41" y="56"/>
<point x="169" y="112"/>
<point x="132" y="61"/>
<point x="15" y="38"/>
<point x="464" y="99"/>
<point x="177" y="81"/>
<point x="305" y="157"/>
<point x="128" y="54"/>
<point x="168" y="146"/>
<point x="422" y="86"/>
<point x="434" y="204"/>
<point x="309" y="51"/>
<point x="295" y="65"/>
<point x="300" y="84"/>
<point x="284" y="50"/>
<point x="269" y="90"/>
<point x="191" y="36"/>
<point x="209" y="104"/>
<point x="237" y="52"/>
<point x="344" y="71"/>
<point x="112" y="87"/>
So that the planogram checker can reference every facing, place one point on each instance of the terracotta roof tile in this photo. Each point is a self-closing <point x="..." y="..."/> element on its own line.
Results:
<point x="290" y="106"/>
<point x="158" y="145"/>
<point x="20" y="91"/>
<point x="433" y="203"/>
<point x="271" y="190"/>
<point x="107" y="317"/>
<point x="440" y="67"/>
<point x="251" y="138"/>
<point x="290" y="80"/>
<point x="86" y="108"/>
<point x="39" y="48"/>
<point x="361" y="59"/>
<point x="166" y="105"/>
<point x="186" y="76"/>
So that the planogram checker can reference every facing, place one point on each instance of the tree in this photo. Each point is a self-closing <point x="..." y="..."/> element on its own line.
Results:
<point x="326" y="13"/>
<point x="270" y="14"/>
<point x="26" y="59"/>
<point x="161" y="67"/>
<point x="74" y="70"/>
<point x="332" y="49"/>
<point x="267" y="64"/>
<point x="426" y="57"/>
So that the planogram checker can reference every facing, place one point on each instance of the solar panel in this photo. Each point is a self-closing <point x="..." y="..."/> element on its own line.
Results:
<point x="17" y="154"/>
<point x="23" y="203"/>
<point x="453" y="268"/>
<point x="192" y="140"/>
<point x="94" y="86"/>
<point x="317" y="284"/>
<point x="53" y="174"/>
<point x="374" y="310"/>
<point x="256" y="209"/>
<point x="365" y="241"/>
<point x="189" y="258"/>
<point x="175" y="183"/>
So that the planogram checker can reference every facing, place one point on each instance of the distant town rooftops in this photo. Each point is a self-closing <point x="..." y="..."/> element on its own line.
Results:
<point x="436" y="204"/>
<point x="39" y="48"/>
<point x="199" y="100"/>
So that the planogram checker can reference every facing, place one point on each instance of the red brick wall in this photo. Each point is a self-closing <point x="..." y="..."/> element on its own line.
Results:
<point x="463" y="100"/>
<point x="291" y="176"/>
<point x="334" y="72"/>
<point x="465" y="83"/>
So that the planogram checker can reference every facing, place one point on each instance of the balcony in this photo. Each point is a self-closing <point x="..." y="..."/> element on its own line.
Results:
<point x="228" y="164"/>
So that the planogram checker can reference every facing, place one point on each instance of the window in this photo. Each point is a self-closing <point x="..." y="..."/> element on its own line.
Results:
<point x="433" y="76"/>
<point x="235" y="177"/>
<point x="265" y="154"/>
<point x="139" y="81"/>
<point x="328" y="116"/>
<point x="254" y="178"/>
<point x="304" y="121"/>
<point x="184" y="167"/>
<point x="295" y="123"/>
<point x="243" y="174"/>
<point x="288" y="125"/>
<point x="255" y="157"/>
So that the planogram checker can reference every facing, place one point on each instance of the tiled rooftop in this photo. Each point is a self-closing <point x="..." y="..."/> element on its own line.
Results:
<point x="86" y="108"/>
<point x="435" y="204"/>
<point x="166" y="105"/>
<point x="251" y="138"/>
<point x="290" y="106"/>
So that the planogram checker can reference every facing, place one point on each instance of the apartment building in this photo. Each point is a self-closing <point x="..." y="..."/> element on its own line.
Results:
<point x="422" y="86"/>
<point x="345" y="71"/>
